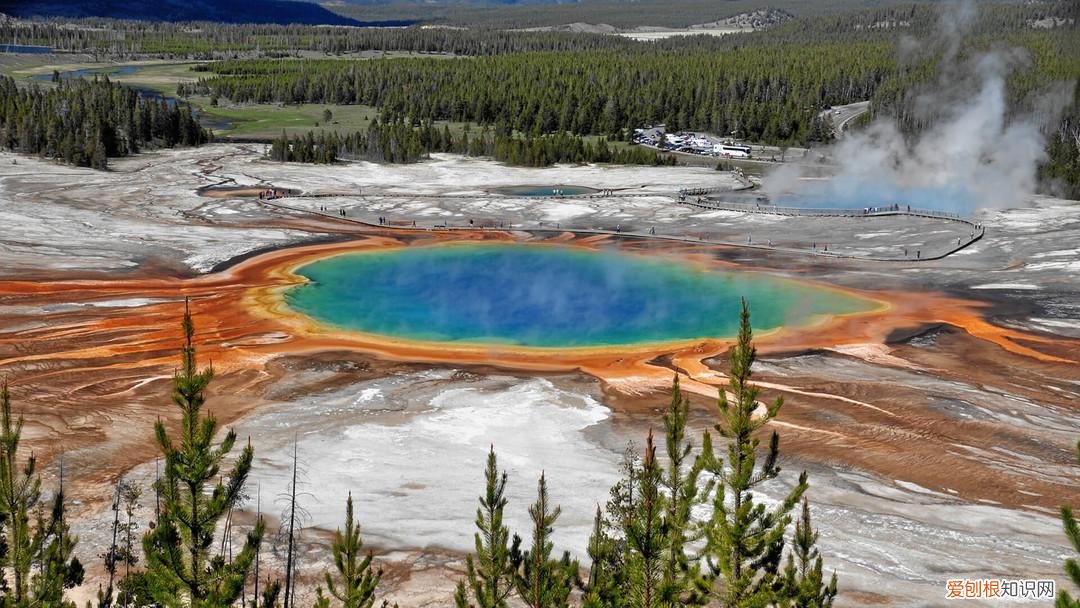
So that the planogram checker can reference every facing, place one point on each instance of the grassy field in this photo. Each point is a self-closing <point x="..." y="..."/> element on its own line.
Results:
<point x="265" y="121"/>
<point x="161" y="76"/>
<point x="16" y="64"/>
<point x="269" y="120"/>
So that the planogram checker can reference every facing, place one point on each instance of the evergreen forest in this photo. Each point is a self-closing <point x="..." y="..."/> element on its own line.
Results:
<point x="85" y="122"/>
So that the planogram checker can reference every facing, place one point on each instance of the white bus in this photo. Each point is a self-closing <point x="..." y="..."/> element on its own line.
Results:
<point x="731" y="150"/>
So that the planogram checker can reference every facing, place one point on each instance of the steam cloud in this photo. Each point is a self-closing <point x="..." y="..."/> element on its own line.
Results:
<point x="976" y="154"/>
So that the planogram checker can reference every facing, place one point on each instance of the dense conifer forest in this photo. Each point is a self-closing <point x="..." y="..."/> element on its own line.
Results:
<point x="399" y="142"/>
<point x="770" y="95"/>
<point x="85" y="122"/>
<point x="213" y="40"/>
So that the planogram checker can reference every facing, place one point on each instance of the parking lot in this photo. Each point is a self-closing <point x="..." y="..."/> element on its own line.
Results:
<point x="710" y="145"/>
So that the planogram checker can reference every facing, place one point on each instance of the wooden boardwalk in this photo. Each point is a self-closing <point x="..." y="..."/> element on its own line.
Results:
<point x="427" y="225"/>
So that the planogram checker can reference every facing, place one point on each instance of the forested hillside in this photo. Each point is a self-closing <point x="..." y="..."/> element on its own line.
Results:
<point x="399" y="142"/>
<point x="762" y="94"/>
<point x="208" y="40"/>
<point x="84" y="122"/>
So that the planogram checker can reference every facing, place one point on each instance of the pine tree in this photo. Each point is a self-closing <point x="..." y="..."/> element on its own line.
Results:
<point x="803" y="583"/>
<point x="54" y="547"/>
<point x="646" y="534"/>
<point x="683" y="583"/>
<point x="609" y="550"/>
<point x="540" y="581"/>
<point x="135" y="591"/>
<point x="269" y="597"/>
<point x="745" y="538"/>
<point x="47" y="545"/>
<point x="604" y="589"/>
<point x="130" y="494"/>
<point x="20" y="490"/>
<point x="180" y="567"/>
<point x="357" y="578"/>
<point x="1072" y="567"/>
<point x="489" y="572"/>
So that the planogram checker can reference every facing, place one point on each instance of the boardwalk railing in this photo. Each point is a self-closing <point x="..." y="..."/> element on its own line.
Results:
<point x="702" y="191"/>
<point x="683" y="196"/>
<point x="714" y="204"/>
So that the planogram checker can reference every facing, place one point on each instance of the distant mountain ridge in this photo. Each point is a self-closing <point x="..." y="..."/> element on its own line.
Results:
<point x="452" y="3"/>
<point x="221" y="11"/>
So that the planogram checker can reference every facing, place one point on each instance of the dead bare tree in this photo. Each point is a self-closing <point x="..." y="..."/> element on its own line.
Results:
<point x="292" y="524"/>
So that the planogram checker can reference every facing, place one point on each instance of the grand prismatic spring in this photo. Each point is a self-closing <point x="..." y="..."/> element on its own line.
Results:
<point x="548" y="296"/>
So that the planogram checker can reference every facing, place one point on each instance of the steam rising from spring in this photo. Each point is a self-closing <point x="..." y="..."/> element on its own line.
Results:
<point x="973" y="154"/>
